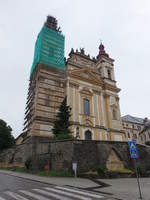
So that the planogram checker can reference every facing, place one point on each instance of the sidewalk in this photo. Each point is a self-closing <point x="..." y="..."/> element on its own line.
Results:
<point x="61" y="181"/>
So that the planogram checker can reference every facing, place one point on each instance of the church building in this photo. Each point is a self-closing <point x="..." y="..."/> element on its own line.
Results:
<point x="89" y="84"/>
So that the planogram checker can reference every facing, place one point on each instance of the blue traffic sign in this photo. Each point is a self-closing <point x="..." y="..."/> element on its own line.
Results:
<point x="133" y="149"/>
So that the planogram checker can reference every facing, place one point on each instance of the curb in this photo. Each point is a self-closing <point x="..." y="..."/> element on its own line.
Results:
<point x="26" y="178"/>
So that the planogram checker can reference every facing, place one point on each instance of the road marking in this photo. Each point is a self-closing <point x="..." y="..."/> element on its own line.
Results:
<point x="68" y="194"/>
<point x="80" y="192"/>
<point x="15" y="196"/>
<point x="36" y="196"/>
<point x="51" y="194"/>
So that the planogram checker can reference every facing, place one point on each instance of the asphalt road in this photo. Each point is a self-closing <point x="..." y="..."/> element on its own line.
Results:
<point x="15" y="188"/>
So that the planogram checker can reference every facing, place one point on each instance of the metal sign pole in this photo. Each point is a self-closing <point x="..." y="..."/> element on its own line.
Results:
<point x="137" y="176"/>
<point x="75" y="173"/>
<point x="74" y="167"/>
<point x="134" y="156"/>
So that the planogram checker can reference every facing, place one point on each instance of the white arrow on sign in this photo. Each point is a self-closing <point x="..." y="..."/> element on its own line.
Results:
<point x="133" y="146"/>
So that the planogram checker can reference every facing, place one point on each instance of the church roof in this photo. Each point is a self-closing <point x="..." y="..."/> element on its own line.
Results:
<point x="131" y="119"/>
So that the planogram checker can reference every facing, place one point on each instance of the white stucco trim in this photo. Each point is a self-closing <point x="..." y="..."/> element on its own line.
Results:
<point x="84" y="83"/>
<point x="93" y="110"/>
<point x="118" y="137"/>
<point x="113" y="75"/>
<point x="75" y="132"/>
<point x="103" y="112"/>
<point x="74" y="104"/>
<point x="79" y="105"/>
<point x="97" y="103"/>
<point x="100" y="136"/>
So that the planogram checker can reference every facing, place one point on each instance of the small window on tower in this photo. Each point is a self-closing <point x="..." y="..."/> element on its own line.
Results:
<point x="109" y="73"/>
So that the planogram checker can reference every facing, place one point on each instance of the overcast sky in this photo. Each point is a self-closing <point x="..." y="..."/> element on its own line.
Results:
<point x="123" y="26"/>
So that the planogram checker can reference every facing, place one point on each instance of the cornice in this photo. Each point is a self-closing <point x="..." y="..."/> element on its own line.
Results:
<point x="111" y="88"/>
<point x="116" y="130"/>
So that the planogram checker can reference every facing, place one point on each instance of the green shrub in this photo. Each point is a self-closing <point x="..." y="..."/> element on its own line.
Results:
<point x="28" y="163"/>
<point x="102" y="170"/>
<point x="63" y="136"/>
<point x="147" y="143"/>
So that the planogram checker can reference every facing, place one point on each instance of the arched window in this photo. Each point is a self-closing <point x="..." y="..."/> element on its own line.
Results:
<point x="88" y="135"/>
<point x="86" y="106"/>
<point x="109" y="73"/>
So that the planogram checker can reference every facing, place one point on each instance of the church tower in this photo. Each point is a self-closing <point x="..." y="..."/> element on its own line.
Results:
<point x="93" y="96"/>
<point x="47" y="79"/>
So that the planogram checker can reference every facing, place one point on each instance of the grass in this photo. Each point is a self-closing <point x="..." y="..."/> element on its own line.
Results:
<point x="6" y="168"/>
<point x="16" y="169"/>
<point x="41" y="173"/>
<point x="55" y="174"/>
<point x="20" y="169"/>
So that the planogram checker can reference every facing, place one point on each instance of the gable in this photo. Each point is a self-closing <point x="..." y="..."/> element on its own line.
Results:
<point x="86" y="75"/>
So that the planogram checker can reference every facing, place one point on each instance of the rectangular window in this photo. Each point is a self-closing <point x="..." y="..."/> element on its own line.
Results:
<point x="86" y="107"/>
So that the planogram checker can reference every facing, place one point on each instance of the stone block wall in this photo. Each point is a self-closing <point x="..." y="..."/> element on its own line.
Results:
<point x="89" y="155"/>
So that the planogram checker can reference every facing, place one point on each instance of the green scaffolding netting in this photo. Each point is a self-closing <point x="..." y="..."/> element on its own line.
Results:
<point x="49" y="49"/>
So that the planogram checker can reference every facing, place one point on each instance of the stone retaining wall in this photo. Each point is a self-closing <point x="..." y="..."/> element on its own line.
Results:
<point x="59" y="155"/>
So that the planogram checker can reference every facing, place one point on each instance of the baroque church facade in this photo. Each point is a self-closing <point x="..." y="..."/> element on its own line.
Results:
<point x="89" y="84"/>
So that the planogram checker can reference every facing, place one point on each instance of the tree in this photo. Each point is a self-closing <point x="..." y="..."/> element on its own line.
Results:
<point x="61" y="124"/>
<point x="6" y="138"/>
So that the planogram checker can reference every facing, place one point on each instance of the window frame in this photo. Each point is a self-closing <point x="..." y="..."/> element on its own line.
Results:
<point x="88" y="135"/>
<point x="86" y="106"/>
